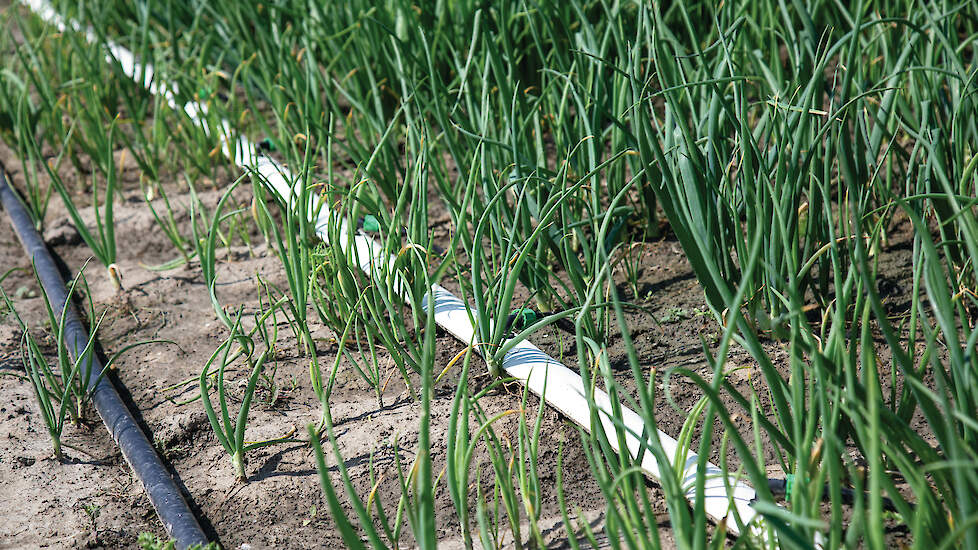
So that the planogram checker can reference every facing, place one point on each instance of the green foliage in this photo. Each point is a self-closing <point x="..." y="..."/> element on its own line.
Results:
<point x="62" y="390"/>
<point x="149" y="541"/>
<point x="782" y="141"/>
<point x="231" y="432"/>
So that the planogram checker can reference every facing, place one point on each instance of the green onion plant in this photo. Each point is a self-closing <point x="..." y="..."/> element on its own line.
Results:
<point x="787" y="146"/>
<point x="231" y="432"/>
<point x="63" y="389"/>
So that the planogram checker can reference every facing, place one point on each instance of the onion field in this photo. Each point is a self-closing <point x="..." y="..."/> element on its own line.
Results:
<point x="501" y="274"/>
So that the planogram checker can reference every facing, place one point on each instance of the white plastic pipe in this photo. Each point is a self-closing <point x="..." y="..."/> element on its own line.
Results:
<point x="525" y="362"/>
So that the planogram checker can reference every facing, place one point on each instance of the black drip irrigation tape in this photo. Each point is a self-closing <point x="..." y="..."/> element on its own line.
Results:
<point x="178" y="520"/>
<point x="782" y="487"/>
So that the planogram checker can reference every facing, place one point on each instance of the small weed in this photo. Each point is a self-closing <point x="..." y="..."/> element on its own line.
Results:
<point x="675" y="315"/>
<point x="149" y="541"/>
<point x="93" y="511"/>
<point x="24" y="291"/>
<point x="169" y="450"/>
<point x="312" y="515"/>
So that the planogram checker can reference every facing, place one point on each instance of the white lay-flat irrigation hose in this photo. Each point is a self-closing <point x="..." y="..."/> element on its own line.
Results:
<point x="723" y="494"/>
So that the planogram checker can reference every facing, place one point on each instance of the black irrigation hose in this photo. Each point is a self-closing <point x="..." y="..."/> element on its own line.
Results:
<point x="781" y="487"/>
<point x="178" y="520"/>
